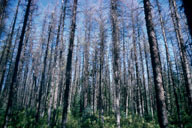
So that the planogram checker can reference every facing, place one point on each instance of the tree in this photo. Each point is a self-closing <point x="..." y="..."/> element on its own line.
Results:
<point x="3" y="13"/>
<point x="69" y="65"/>
<point x="42" y="84"/>
<point x="182" y="52"/>
<point x="101" y="65"/>
<point x="7" y="50"/>
<point x="86" y="57"/>
<point x="169" y="65"/>
<point x="188" y="13"/>
<point x="161" y="107"/>
<point x="90" y="64"/>
<point x="13" y="80"/>
<point x="116" y="59"/>
<point x="138" y="88"/>
<point x="54" y="94"/>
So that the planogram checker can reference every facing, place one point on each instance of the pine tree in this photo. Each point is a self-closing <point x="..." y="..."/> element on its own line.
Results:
<point x="116" y="59"/>
<point x="14" y="77"/>
<point x="155" y="59"/>
<point x="69" y="65"/>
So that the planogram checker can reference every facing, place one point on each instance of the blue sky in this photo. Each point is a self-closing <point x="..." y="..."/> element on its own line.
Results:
<point x="44" y="2"/>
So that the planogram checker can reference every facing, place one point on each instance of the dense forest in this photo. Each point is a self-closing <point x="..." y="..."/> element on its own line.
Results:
<point x="95" y="64"/>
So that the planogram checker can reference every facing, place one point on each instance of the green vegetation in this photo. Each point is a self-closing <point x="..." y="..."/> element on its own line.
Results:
<point x="26" y="119"/>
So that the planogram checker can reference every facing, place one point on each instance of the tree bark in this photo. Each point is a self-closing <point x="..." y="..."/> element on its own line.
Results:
<point x="161" y="107"/>
<point x="138" y="88"/>
<point x="13" y="80"/>
<point x="169" y="65"/>
<point x="42" y="83"/>
<point x="69" y="65"/>
<point x="143" y="75"/>
<point x="188" y="13"/>
<point x="116" y="59"/>
<point x="101" y="83"/>
<point x="3" y="14"/>
<point x="7" y="51"/>
<point x="183" y="54"/>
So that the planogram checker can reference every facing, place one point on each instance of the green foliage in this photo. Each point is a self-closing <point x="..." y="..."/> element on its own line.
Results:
<point x="187" y="120"/>
<point x="75" y="109"/>
<point x="135" y="121"/>
<point x="1" y="116"/>
<point x="109" y="122"/>
<point x="72" y="122"/>
<point x="26" y="119"/>
<point x="89" y="120"/>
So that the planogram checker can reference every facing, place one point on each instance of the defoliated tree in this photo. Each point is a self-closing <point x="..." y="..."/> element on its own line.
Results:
<point x="155" y="59"/>
<point x="69" y="65"/>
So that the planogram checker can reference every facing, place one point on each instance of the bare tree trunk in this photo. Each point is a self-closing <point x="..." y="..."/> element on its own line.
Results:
<point x="183" y="54"/>
<point x="8" y="49"/>
<point x="155" y="59"/>
<point x="86" y="58"/>
<point x="125" y="83"/>
<point x="188" y="13"/>
<point x="11" y="65"/>
<point x="69" y="65"/>
<point x="101" y="81"/>
<point x="11" y="91"/>
<point x="3" y="14"/>
<point x="143" y="75"/>
<point x="42" y="83"/>
<point x="148" y="76"/>
<point x="138" y="88"/>
<point x="55" y="65"/>
<point x="94" y="81"/>
<point x="169" y="65"/>
<point x="116" y="59"/>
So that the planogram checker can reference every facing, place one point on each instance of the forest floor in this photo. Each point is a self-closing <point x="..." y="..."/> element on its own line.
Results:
<point x="26" y="119"/>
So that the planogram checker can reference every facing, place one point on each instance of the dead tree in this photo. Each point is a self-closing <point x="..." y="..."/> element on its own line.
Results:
<point x="188" y="12"/>
<point x="42" y="83"/>
<point x="169" y="65"/>
<point x="69" y="65"/>
<point x="6" y="53"/>
<point x="116" y="59"/>
<point x="182" y="51"/>
<point x="155" y="59"/>
<point x="14" y="77"/>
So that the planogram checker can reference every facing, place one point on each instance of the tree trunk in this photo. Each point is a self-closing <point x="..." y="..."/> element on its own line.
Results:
<point x="69" y="65"/>
<point x="8" y="49"/>
<point x="148" y="76"/>
<point x="101" y="81"/>
<point x="138" y="86"/>
<point x="42" y="83"/>
<point x="169" y="65"/>
<point x="183" y="54"/>
<point x="161" y="107"/>
<point x="116" y="59"/>
<point x="188" y="13"/>
<point x="11" y="91"/>
<point x="143" y="75"/>
<point x="3" y="14"/>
